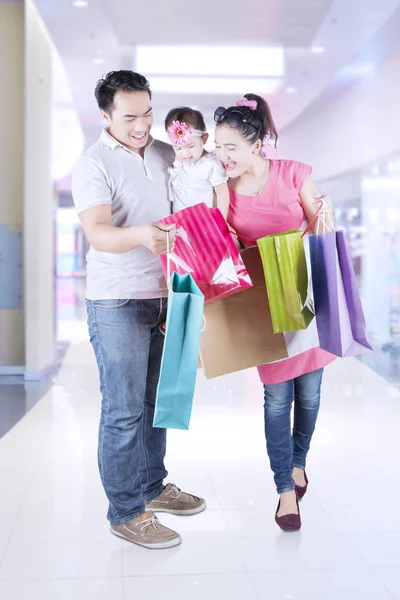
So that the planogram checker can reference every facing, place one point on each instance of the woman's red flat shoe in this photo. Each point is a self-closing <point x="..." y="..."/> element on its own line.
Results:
<point x="301" y="489"/>
<point x="290" y="522"/>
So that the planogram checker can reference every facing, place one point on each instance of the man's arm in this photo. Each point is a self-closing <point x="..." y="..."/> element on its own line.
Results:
<point x="103" y="236"/>
<point x="93" y="202"/>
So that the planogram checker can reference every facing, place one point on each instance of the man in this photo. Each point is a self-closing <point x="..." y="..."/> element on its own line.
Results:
<point x="120" y="190"/>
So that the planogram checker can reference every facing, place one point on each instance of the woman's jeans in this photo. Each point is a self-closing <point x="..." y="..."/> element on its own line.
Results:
<point x="128" y="346"/>
<point x="287" y="450"/>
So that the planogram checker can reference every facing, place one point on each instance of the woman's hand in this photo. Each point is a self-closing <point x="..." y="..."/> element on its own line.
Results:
<point x="311" y="201"/>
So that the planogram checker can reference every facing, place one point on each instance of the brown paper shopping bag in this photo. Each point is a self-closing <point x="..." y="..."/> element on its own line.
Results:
<point x="239" y="334"/>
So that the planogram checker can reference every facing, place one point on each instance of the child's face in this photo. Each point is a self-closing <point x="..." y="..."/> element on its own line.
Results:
<point x="193" y="151"/>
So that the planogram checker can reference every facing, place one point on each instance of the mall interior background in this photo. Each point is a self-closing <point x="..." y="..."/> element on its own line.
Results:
<point x="330" y="70"/>
<point x="335" y="93"/>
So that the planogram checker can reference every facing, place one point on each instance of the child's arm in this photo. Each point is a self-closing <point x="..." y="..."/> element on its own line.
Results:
<point x="223" y="199"/>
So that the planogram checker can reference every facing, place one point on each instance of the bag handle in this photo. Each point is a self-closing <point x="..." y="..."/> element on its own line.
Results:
<point x="169" y="273"/>
<point x="314" y="218"/>
<point x="325" y="213"/>
<point x="241" y="237"/>
<point x="168" y="258"/>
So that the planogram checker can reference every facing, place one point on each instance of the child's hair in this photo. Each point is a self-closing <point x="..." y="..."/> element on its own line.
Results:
<point x="185" y="114"/>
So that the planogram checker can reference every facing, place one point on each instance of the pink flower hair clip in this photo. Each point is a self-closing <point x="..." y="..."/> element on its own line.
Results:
<point x="179" y="133"/>
<point x="252" y="104"/>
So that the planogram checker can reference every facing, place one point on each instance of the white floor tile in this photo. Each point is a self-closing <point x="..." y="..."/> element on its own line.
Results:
<point x="13" y="489"/>
<point x="6" y="527"/>
<point x="390" y="576"/>
<point x="66" y="589"/>
<point x="367" y="516"/>
<point x="58" y="561"/>
<point x="297" y="552"/>
<point x="388" y="463"/>
<point x="65" y="493"/>
<point x="340" y="486"/>
<point x="359" y="584"/>
<point x="62" y="528"/>
<point x="208" y="524"/>
<point x="55" y="536"/>
<point x="378" y="549"/>
<point x="194" y="556"/>
<point x="239" y="495"/>
<point x="259" y="524"/>
<point x="199" y="587"/>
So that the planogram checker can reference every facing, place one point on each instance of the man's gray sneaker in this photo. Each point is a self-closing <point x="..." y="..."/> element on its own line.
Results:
<point x="172" y="500"/>
<point x="149" y="533"/>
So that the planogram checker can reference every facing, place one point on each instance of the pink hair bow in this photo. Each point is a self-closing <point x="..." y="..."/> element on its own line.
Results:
<point x="252" y="104"/>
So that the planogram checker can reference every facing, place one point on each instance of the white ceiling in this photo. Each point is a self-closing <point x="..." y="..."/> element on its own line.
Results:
<point x="271" y="22"/>
<point x="112" y="28"/>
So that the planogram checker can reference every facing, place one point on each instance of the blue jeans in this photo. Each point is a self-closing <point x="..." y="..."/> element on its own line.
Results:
<point x="128" y="347"/>
<point x="287" y="450"/>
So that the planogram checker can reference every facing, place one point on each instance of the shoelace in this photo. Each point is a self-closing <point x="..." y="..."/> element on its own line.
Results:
<point x="176" y="490"/>
<point x="151" y="522"/>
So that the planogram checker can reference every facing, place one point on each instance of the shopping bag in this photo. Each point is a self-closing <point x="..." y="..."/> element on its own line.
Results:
<point x="204" y="248"/>
<point x="287" y="281"/>
<point x="180" y="355"/>
<point x="239" y="333"/>
<point x="339" y="315"/>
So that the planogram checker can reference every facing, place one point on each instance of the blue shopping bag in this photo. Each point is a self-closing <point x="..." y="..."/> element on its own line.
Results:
<point x="180" y="356"/>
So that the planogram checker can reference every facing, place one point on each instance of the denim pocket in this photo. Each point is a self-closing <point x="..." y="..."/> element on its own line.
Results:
<point x="110" y="304"/>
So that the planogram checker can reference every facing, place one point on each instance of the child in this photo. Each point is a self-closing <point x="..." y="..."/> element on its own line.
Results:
<point x="197" y="175"/>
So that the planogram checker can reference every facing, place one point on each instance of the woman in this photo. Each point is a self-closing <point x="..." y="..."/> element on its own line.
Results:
<point x="267" y="197"/>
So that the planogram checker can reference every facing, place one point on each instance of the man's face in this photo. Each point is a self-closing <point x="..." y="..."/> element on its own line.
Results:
<point x="131" y="119"/>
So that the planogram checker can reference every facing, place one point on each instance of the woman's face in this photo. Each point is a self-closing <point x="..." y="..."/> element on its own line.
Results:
<point x="234" y="151"/>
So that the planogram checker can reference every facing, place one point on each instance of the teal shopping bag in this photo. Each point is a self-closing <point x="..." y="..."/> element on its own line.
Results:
<point x="181" y="351"/>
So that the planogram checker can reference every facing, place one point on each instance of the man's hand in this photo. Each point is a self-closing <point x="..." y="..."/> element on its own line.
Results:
<point x="153" y="236"/>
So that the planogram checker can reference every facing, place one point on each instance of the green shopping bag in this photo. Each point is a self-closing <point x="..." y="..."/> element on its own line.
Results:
<point x="286" y="277"/>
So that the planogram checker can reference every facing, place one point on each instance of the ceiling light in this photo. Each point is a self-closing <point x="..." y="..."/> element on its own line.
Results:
<point x="257" y="61"/>
<point x="291" y="90"/>
<point x="98" y="60"/>
<point x="214" y="85"/>
<point x="81" y="3"/>
<point x="357" y="70"/>
<point x="318" y="49"/>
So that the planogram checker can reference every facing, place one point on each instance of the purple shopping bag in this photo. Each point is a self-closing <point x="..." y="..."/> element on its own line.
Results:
<point x="339" y="314"/>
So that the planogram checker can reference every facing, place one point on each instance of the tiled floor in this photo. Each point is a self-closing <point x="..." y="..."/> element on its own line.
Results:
<point x="54" y="538"/>
<point x="18" y="397"/>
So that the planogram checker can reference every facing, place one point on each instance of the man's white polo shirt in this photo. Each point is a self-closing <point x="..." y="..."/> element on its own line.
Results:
<point x="137" y="189"/>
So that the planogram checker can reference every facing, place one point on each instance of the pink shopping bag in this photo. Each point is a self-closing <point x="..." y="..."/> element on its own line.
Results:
<point x="204" y="248"/>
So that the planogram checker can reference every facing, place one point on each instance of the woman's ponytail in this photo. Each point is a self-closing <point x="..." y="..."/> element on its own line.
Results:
<point x="263" y="111"/>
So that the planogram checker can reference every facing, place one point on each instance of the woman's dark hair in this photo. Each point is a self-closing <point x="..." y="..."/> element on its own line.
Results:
<point x="257" y="124"/>
<point x="115" y="81"/>
<point x="188" y="115"/>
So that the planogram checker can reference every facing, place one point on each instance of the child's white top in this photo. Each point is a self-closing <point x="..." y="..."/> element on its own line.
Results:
<point x="194" y="183"/>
